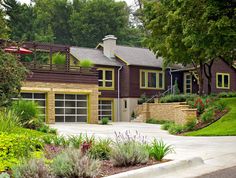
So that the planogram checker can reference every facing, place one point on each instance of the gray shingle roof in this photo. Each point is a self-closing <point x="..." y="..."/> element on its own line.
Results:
<point x="94" y="55"/>
<point x="138" y="56"/>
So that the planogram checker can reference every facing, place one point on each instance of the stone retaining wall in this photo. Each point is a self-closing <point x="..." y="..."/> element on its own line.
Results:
<point x="176" y="112"/>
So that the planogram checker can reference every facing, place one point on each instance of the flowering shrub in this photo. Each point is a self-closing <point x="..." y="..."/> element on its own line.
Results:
<point x="199" y="105"/>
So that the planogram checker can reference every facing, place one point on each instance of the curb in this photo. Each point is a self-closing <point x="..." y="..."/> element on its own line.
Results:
<point x="160" y="169"/>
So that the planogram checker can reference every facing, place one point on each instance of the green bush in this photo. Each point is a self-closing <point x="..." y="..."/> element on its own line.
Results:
<point x="76" y="141"/>
<point x="175" y="129"/>
<point x="166" y="125"/>
<point x="177" y="98"/>
<point x="58" y="59"/>
<point x="8" y="121"/>
<point x="46" y="129"/>
<point x="86" y="63"/>
<point x="104" y="120"/>
<point x="158" y="149"/>
<point x="15" y="146"/>
<point x="72" y="163"/>
<point x="227" y="94"/>
<point x="207" y="115"/>
<point x="155" y="121"/>
<point x="28" y="113"/>
<point x="33" y="168"/>
<point x="220" y="105"/>
<point x="101" y="149"/>
<point x="190" y="124"/>
<point x="129" y="150"/>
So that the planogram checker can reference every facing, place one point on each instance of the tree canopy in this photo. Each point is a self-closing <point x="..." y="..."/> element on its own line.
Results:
<point x="191" y="32"/>
<point x="76" y="22"/>
<point x="12" y="73"/>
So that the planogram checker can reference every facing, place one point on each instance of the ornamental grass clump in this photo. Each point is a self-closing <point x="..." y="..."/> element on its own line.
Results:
<point x="28" y="113"/>
<point x="158" y="150"/>
<point x="9" y="121"/>
<point x="129" y="150"/>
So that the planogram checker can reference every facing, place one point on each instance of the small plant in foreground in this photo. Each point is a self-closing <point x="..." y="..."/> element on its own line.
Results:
<point x="158" y="150"/>
<point x="104" y="120"/>
<point x="75" y="141"/>
<point x="34" y="168"/>
<point x="101" y="149"/>
<point x="129" y="150"/>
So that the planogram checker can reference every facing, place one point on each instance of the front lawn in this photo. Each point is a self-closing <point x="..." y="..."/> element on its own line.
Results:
<point x="226" y="126"/>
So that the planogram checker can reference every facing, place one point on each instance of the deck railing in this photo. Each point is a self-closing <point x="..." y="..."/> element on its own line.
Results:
<point x="32" y="66"/>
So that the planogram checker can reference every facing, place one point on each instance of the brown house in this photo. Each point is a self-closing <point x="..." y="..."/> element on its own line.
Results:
<point x="112" y="88"/>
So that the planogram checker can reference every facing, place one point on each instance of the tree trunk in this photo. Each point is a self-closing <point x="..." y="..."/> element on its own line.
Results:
<point x="200" y="71"/>
<point x="208" y="74"/>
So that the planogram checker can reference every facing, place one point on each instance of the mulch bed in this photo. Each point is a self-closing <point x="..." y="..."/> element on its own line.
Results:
<point x="108" y="169"/>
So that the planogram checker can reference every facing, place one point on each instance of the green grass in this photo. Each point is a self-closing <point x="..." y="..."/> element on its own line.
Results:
<point x="226" y="126"/>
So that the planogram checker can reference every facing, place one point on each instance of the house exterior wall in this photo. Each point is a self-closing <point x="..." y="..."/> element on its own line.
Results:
<point x="220" y="66"/>
<point x="126" y="113"/>
<point x="110" y="93"/>
<point x="50" y="89"/>
<point x="134" y="82"/>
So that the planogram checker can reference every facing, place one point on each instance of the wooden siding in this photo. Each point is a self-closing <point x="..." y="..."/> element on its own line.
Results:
<point x="134" y="82"/>
<point x="220" y="66"/>
<point x="62" y="77"/>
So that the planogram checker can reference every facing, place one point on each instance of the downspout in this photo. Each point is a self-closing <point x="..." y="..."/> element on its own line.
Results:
<point x="118" y="102"/>
<point x="171" y="81"/>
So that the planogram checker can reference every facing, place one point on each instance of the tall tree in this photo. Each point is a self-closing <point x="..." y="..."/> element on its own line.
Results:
<point x="97" y="18"/>
<point x="190" y="32"/>
<point x="4" y="29"/>
<point x="20" y="19"/>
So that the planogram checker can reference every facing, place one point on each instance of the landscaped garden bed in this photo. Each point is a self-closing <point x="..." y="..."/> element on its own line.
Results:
<point x="210" y="110"/>
<point x="30" y="149"/>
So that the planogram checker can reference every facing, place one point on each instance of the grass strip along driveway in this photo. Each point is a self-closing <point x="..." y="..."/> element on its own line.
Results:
<point x="226" y="126"/>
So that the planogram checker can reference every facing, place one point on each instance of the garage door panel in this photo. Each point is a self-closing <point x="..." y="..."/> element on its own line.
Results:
<point x="59" y="118"/>
<point x="105" y="109"/>
<point x="73" y="108"/>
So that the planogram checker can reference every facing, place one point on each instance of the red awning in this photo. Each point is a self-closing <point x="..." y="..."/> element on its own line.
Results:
<point x="17" y="50"/>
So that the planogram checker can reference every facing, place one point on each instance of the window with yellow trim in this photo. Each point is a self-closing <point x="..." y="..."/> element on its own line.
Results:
<point x="106" y="78"/>
<point x="151" y="79"/>
<point x="222" y="80"/>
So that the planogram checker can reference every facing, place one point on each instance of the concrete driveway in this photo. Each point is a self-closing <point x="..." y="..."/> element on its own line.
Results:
<point x="217" y="152"/>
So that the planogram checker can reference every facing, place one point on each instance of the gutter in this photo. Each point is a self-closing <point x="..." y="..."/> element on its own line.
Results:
<point x="118" y="97"/>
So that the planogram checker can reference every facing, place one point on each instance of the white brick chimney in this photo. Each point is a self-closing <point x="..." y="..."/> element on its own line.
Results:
<point x="109" y="45"/>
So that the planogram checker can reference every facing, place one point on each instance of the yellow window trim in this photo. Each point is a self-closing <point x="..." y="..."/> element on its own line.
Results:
<point x="185" y="74"/>
<point x="122" y="59"/>
<point x="223" y="82"/>
<point x="157" y="79"/>
<point x="112" y="105"/>
<point x="103" y="87"/>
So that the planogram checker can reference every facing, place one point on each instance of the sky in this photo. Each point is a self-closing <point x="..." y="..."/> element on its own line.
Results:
<point x="129" y="2"/>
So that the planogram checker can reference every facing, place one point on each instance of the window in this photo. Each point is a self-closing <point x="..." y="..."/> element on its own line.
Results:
<point x="106" y="78"/>
<point x="125" y="104"/>
<point x="151" y="79"/>
<point x="39" y="98"/>
<point x="222" y="80"/>
<point x="187" y="83"/>
<point x="105" y="109"/>
<point x="71" y="108"/>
